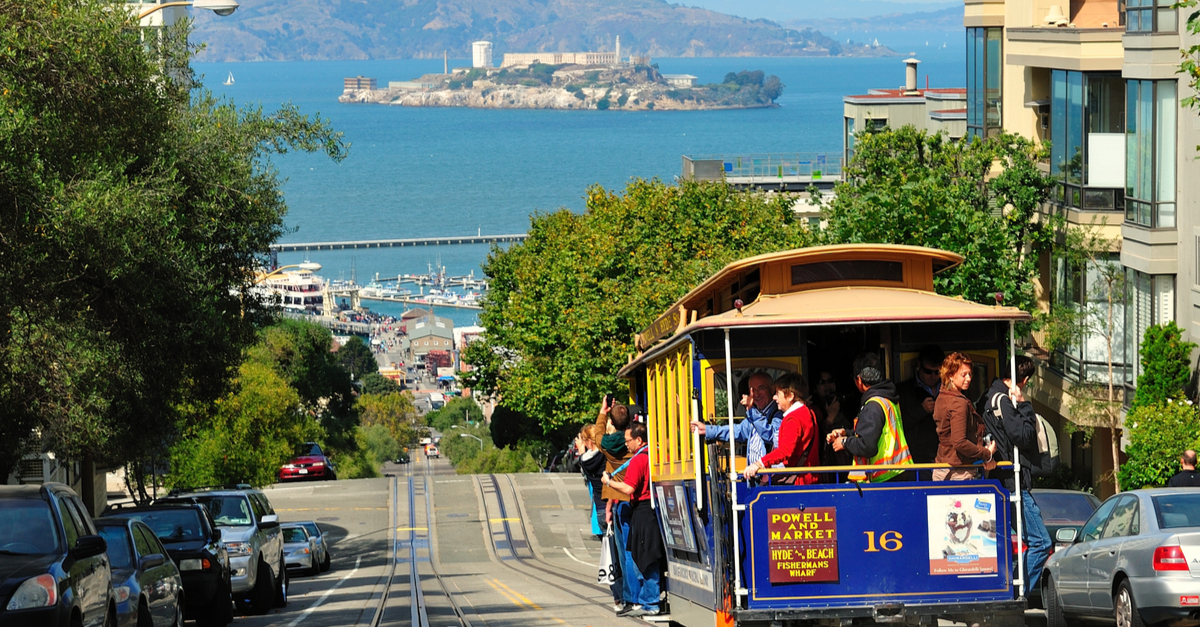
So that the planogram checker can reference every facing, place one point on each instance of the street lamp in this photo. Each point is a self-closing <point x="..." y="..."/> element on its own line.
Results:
<point x="468" y="435"/>
<point x="220" y="7"/>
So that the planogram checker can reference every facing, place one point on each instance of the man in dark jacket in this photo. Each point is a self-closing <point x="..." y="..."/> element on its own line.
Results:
<point x="917" y="397"/>
<point x="1187" y="477"/>
<point x="1012" y="422"/>
<point x="875" y="439"/>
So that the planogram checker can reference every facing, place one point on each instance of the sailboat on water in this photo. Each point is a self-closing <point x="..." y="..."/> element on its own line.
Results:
<point x="229" y="81"/>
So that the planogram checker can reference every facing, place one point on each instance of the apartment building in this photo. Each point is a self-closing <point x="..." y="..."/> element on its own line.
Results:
<point x="1098" y="79"/>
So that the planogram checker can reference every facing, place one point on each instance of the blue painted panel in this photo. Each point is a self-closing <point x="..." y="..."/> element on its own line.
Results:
<point x="932" y="542"/>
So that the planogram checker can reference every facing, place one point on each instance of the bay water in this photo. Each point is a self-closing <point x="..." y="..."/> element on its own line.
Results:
<point x="425" y="172"/>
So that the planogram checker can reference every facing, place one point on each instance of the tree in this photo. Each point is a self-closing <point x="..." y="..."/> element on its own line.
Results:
<point x="772" y="88"/>
<point x="509" y="428"/>
<point x="457" y="411"/>
<point x="906" y="186"/>
<point x="136" y="207"/>
<point x="356" y="357"/>
<point x="1191" y="56"/>
<point x="563" y="305"/>
<point x="396" y="412"/>
<point x="376" y="383"/>
<point x="1159" y="431"/>
<point x="1166" y="365"/>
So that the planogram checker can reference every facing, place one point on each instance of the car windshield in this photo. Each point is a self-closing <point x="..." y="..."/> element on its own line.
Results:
<point x="171" y="526"/>
<point x="308" y="448"/>
<point x="294" y="534"/>
<point x="1064" y="509"/>
<point x="1177" y="510"/>
<point x="27" y="527"/>
<point x="313" y="529"/>
<point x="228" y="511"/>
<point x="120" y="553"/>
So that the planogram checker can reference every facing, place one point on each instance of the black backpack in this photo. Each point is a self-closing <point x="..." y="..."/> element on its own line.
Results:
<point x="1042" y="462"/>
<point x="993" y="422"/>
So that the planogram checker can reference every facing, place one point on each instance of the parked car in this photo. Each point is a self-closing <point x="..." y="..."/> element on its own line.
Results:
<point x="1063" y="509"/>
<point x="322" y="542"/>
<point x="54" y="567"/>
<point x="300" y="549"/>
<point x="310" y="462"/>
<point x="402" y="458"/>
<point x="193" y="542"/>
<point x="149" y="591"/>
<point x="1136" y="559"/>
<point x="250" y="531"/>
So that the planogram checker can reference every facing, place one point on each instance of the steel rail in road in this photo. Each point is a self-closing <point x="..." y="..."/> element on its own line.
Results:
<point x="527" y="557"/>
<point x="398" y="243"/>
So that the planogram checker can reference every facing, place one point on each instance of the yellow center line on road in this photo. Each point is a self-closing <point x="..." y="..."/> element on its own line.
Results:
<point x="505" y="595"/>
<point x="523" y="598"/>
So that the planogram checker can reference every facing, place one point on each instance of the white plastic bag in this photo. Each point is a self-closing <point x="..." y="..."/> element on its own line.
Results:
<point x="610" y="567"/>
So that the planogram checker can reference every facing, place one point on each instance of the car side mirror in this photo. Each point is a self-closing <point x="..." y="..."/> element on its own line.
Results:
<point x="269" y="521"/>
<point x="152" y="561"/>
<point x="216" y="534"/>
<point x="1066" y="534"/>
<point x="88" y="546"/>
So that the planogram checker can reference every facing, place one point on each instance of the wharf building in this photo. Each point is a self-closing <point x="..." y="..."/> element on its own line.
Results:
<point x="1098" y="80"/>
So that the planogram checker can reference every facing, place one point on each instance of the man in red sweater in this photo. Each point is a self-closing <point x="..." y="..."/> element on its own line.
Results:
<point x="799" y="444"/>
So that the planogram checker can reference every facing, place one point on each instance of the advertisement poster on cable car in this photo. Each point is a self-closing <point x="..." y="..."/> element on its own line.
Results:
<point x="676" y="518"/>
<point x="962" y="534"/>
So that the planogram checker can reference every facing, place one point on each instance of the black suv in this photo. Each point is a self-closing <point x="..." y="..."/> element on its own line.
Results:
<point x="193" y="541"/>
<point x="54" y="569"/>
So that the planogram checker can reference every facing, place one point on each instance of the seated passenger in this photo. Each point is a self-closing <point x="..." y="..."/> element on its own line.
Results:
<point x="959" y="426"/>
<point x="799" y="445"/>
<point x="878" y="434"/>
<point x="762" y="416"/>
<point x="830" y="417"/>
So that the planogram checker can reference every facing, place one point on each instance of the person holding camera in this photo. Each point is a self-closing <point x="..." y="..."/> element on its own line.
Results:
<point x="959" y="426"/>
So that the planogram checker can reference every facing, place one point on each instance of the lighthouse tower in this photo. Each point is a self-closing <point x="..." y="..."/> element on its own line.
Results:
<point x="618" y="50"/>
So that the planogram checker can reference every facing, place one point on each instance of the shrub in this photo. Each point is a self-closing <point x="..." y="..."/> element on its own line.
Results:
<point x="622" y="100"/>
<point x="573" y="88"/>
<point x="380" y="444"/>
<point x="1158" y="433"/>
<point x="376" y="383"/>
<point x="454" y="84"/>
<point x="1166" y="365"/>
<point x="580" y="95"/>
<point x="602" y="104"/>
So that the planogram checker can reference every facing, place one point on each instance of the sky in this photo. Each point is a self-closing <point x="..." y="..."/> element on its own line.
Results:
<point x="784" y="10"/>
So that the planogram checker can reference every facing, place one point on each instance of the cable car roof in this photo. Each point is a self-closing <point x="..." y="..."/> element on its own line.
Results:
<point x="841" y="305"/>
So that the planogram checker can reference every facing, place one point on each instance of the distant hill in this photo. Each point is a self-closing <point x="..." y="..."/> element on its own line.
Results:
<point x="949" y="19"/>
<point x="784" y="11"/>
<point x="388" y="29"/>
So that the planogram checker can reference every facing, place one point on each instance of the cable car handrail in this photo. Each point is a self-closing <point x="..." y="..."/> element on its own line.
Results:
<point x="870" y="468"/>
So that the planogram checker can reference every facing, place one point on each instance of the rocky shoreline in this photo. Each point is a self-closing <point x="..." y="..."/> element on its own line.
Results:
<point x="525" y="97"/>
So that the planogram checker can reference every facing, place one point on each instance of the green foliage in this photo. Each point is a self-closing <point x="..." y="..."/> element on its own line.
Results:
<point x="906" y="186"/>
<point x="579" y="95"/>
<point x="356" y="357"/>
<point x="1166" y="365"/>
<point x="592" y="76"/>
<point x="745" y="78"/>
<point x="457" y="411"/>
<point x="395" y="412"/>
<point x="564" y="305"/>
<point x="772" y="88"/>
<point x="357" y="462"/>
<point x="622" y="100"/>
<point x="136" y="206"/>
<point x="1191" y="54"/>
<point x="454" y="84"/>
<point x="1159" y="432"/>
<point x="252" y="433"/>
<point x="376" y="383"/>
<point x="602" y="104"/>
<point x="469" y="458"/>
<point x="573" y="88"/>
<point x="381" y="446"/>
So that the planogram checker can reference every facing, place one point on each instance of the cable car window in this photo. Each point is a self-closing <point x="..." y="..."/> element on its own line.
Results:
<point x="825" y="271"/>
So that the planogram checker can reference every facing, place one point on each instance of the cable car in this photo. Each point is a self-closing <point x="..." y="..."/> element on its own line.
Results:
<point x="829" y="553"/>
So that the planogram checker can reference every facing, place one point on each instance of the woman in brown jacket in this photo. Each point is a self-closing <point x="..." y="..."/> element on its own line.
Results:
<point x="959" y="427"/>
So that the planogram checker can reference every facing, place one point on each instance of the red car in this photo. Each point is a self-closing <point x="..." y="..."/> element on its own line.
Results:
<point x="309" y="463"/>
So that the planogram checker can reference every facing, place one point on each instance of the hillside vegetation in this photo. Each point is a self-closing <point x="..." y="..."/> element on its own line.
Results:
<point x="390" y="29"/>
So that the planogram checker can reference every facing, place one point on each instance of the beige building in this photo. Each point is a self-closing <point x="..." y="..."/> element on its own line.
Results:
<point x="1097" y="78"/>
<point x="933" y="110"/>
<point x="559" y="58"/>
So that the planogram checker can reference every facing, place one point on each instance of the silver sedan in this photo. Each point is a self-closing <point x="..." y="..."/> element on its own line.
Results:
<point x="1137" y="559"/>
<point x="322" y="541"/>
<point x="300" y="549"/>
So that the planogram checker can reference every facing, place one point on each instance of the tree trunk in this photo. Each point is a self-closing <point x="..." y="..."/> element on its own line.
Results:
<point x="1114" y="413"/>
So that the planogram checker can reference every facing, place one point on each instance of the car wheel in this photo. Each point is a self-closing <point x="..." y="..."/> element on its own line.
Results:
<point x="178" y="621"/>
<point x="110" y="618"/>
<point x="314" y="565"/>
<point x="281" y="588"/>
<point x="219" y="612"/>
<point x="325" y="562"/>
<point x="1125" y="608"/>
<point x="1054" y="610"/>
<point x="144" y="619"/>
<point x="262" y="597"/>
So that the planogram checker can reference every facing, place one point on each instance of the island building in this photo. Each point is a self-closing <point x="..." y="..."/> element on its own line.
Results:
<point x="1099" y="80"/>
<point x="566" y="58"/>
<point x="481" y="54"/>
<point x="358" y="82"/>
<point x="933" y="110"/>
<point x="685" y="81"/>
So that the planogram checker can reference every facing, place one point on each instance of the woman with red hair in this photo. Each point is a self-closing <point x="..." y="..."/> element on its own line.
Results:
<point x="959" y="426"/>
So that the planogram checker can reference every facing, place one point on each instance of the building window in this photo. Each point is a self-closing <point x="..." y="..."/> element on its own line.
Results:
<point x="1086" y="358"/>
<point x="1151" y="300"/>
<point x="1150" y="153"/>
<point x="849" y="139"/>
<point x="985" y="62"/>
<point x="1087" y="126"/>
<point x="1150" y="16"/>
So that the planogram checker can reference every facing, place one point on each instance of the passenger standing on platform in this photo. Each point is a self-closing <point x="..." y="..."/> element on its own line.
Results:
<point x="613" y="421"/>
<point x="799" y="442"/>
<point x="828" y="407"/>
<point x="878" y="434"/>
<point x="591" y="464"/>
<point x="763" y="417"/>
<point x="917" y="398"/>
<point x="645" y="538"/>
<point x="959" y="425"/>
<point x="1016" y="425"/>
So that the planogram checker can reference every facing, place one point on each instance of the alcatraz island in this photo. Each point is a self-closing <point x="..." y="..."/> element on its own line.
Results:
<point x="567" y="80"/>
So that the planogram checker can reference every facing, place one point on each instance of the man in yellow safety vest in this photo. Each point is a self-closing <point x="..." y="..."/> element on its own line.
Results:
<point x="878" y="434"/>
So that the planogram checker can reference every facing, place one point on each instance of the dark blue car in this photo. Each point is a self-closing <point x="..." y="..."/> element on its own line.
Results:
<point x="54" y="571"/>
<point x="146" y="583"/>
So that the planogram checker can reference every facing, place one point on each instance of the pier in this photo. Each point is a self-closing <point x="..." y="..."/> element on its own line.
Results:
<point x="399" y="243"/>
<point x="417" y="300"/>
